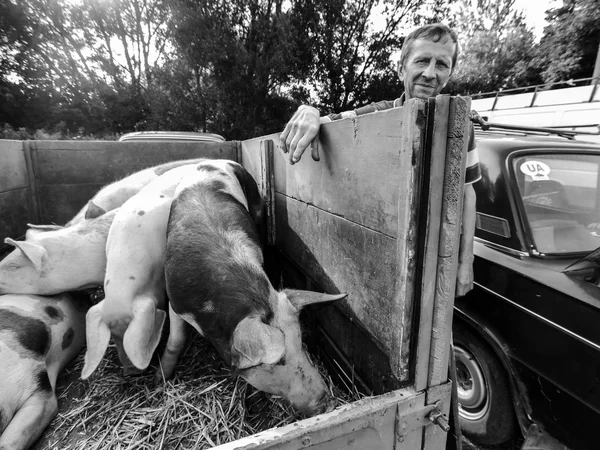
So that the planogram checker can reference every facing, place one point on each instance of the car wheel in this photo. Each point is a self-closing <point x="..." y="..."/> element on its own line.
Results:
<point x="485" y="407"/>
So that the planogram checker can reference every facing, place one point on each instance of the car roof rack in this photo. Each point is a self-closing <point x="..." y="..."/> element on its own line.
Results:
<point x="558" y="131"/>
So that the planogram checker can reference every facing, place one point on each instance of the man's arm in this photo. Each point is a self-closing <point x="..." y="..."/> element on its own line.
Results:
<point x="464" y="277"/>
<point x="305" y="124"/>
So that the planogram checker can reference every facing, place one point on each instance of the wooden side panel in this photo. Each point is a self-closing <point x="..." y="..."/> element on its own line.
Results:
<point x="338" y="219"/>
<point x="68" y="174"/>
<point x="13" y="170"/>
<point x="357" y="177"/>
<point x="341" y="256"/>
<point x="366" y="424"/>
<point x="15" y="195"/>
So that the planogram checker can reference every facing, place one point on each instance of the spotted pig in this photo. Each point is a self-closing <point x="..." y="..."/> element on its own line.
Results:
<point x="216" y="282"/>
<point x="39" y="336"/>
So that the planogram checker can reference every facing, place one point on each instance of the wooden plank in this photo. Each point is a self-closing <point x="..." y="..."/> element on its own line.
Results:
<point x="341" y="256"/>
<point x="436" y="134"/>
<point x="365" y="424"/>
<point x="267" y="188"/>
<point x="16" y="213"/>
<point x="408" y="188"/>
<point x="456" y="149"/>
<point x="68" y="162"/>
<point x="13" y="170"/>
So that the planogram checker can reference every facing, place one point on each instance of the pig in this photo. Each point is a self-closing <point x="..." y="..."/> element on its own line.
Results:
<point x="133" y="310"/>
<point x="216" y="282"/>
<point x="39" y="336"/>
<point x="53" y="259"/>
<point x="115" y="194"/>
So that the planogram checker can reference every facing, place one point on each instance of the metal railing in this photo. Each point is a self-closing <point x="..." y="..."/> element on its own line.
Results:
<point x="536" y="89"/>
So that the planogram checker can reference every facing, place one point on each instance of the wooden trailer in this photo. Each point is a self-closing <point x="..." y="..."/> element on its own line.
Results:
<point x="378" y="217"/>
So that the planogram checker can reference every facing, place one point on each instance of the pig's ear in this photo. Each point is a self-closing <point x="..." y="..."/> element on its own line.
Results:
<point x="143" y="333"/>
<point x="299" y="298"/>
<point x="97" y="335"/>
<point x="44" y="227"/>
<point x="254" y="342"/>
<point x="93" y="211"/>
<point x="37" y="229"/>
<point x="33" y="252"/>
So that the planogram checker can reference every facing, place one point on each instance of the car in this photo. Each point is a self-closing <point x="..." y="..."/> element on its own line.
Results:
<point x="171" y="136"/>
<point x="527" y="337"/>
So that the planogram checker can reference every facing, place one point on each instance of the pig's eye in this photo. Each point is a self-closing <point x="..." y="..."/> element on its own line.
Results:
<point x="12" y="266"/>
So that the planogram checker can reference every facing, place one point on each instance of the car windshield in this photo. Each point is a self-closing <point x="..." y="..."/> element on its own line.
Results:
<point x="561" y="200"/>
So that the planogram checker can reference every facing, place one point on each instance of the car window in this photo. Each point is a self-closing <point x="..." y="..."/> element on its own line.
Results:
<point x="561" y="200"/>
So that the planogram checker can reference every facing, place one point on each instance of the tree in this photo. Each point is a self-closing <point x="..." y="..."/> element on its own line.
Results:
<point x="570" y="42"/>
<point x="497" y="48"/>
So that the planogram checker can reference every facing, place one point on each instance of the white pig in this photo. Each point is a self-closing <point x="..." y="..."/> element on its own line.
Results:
<point x="39" y="336"/>
<point x="215" y="282"/>
<point x="61" y="259"/>
<point x="134" y="287"/>
<point x="115" y="194"/>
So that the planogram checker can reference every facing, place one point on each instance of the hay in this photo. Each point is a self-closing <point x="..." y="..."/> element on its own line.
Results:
<point x="202" y="406"/>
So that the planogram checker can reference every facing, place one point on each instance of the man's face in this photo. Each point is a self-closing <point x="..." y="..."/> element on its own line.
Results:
<point x="427" y="68"/>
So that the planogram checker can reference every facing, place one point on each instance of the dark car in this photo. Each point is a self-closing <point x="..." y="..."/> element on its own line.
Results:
<point x="527" y="338"/>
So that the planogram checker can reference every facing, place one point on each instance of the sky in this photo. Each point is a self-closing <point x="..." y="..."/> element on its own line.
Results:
<point x="535" y="13"/>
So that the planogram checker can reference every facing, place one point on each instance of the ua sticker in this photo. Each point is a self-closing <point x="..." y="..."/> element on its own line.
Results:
<point x="536" y="170"/>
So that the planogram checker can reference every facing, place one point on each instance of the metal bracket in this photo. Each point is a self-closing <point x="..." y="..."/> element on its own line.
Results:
<point x="413" y="419"/>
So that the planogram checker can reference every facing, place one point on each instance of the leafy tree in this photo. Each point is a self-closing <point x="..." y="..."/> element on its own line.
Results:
<point x="496" y="48"/>
<point x="570" y="42"/>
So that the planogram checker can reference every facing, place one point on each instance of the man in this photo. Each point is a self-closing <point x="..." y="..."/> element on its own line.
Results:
<point x="427" y="61"/>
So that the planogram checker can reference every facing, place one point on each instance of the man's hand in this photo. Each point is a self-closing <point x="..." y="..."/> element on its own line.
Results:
<point x="300" y="131"/>
<point x="464" y="279"/>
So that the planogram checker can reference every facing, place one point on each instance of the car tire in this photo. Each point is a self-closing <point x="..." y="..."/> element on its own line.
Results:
<point x="485" y="409"/>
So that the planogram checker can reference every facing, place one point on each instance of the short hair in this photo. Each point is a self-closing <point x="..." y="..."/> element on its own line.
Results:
<point x="434" y="32"/>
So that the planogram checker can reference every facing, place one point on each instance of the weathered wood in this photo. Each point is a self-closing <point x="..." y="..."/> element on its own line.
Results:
<point x="68" y="173"/>
<point x="13" y="170"/>
<point x="436" y="133"/>
<point x="456" y="149"/>
<point x="342" y="257"/>
<point x="408" y="187"/>
<point x="68" y="162"/>
<point x="365" y="424"/>
<point x="15" y="206"/>
<point x="362" y="152"/>
<point x="267" y="187"/>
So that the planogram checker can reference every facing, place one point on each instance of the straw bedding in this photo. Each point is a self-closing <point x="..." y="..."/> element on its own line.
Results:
<point x="201" y="407"/>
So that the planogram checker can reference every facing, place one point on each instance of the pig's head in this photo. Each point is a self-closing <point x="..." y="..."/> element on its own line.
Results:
<point x="270" y="356"/>
<point x="23" y="270"/>
<point x="55" y="259"/>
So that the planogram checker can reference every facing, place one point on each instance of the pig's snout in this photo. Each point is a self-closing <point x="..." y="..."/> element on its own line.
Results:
<point x="323" y="404"/>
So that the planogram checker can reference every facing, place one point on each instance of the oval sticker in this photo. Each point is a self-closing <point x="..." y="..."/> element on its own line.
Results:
<point x="536" y="170"/>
